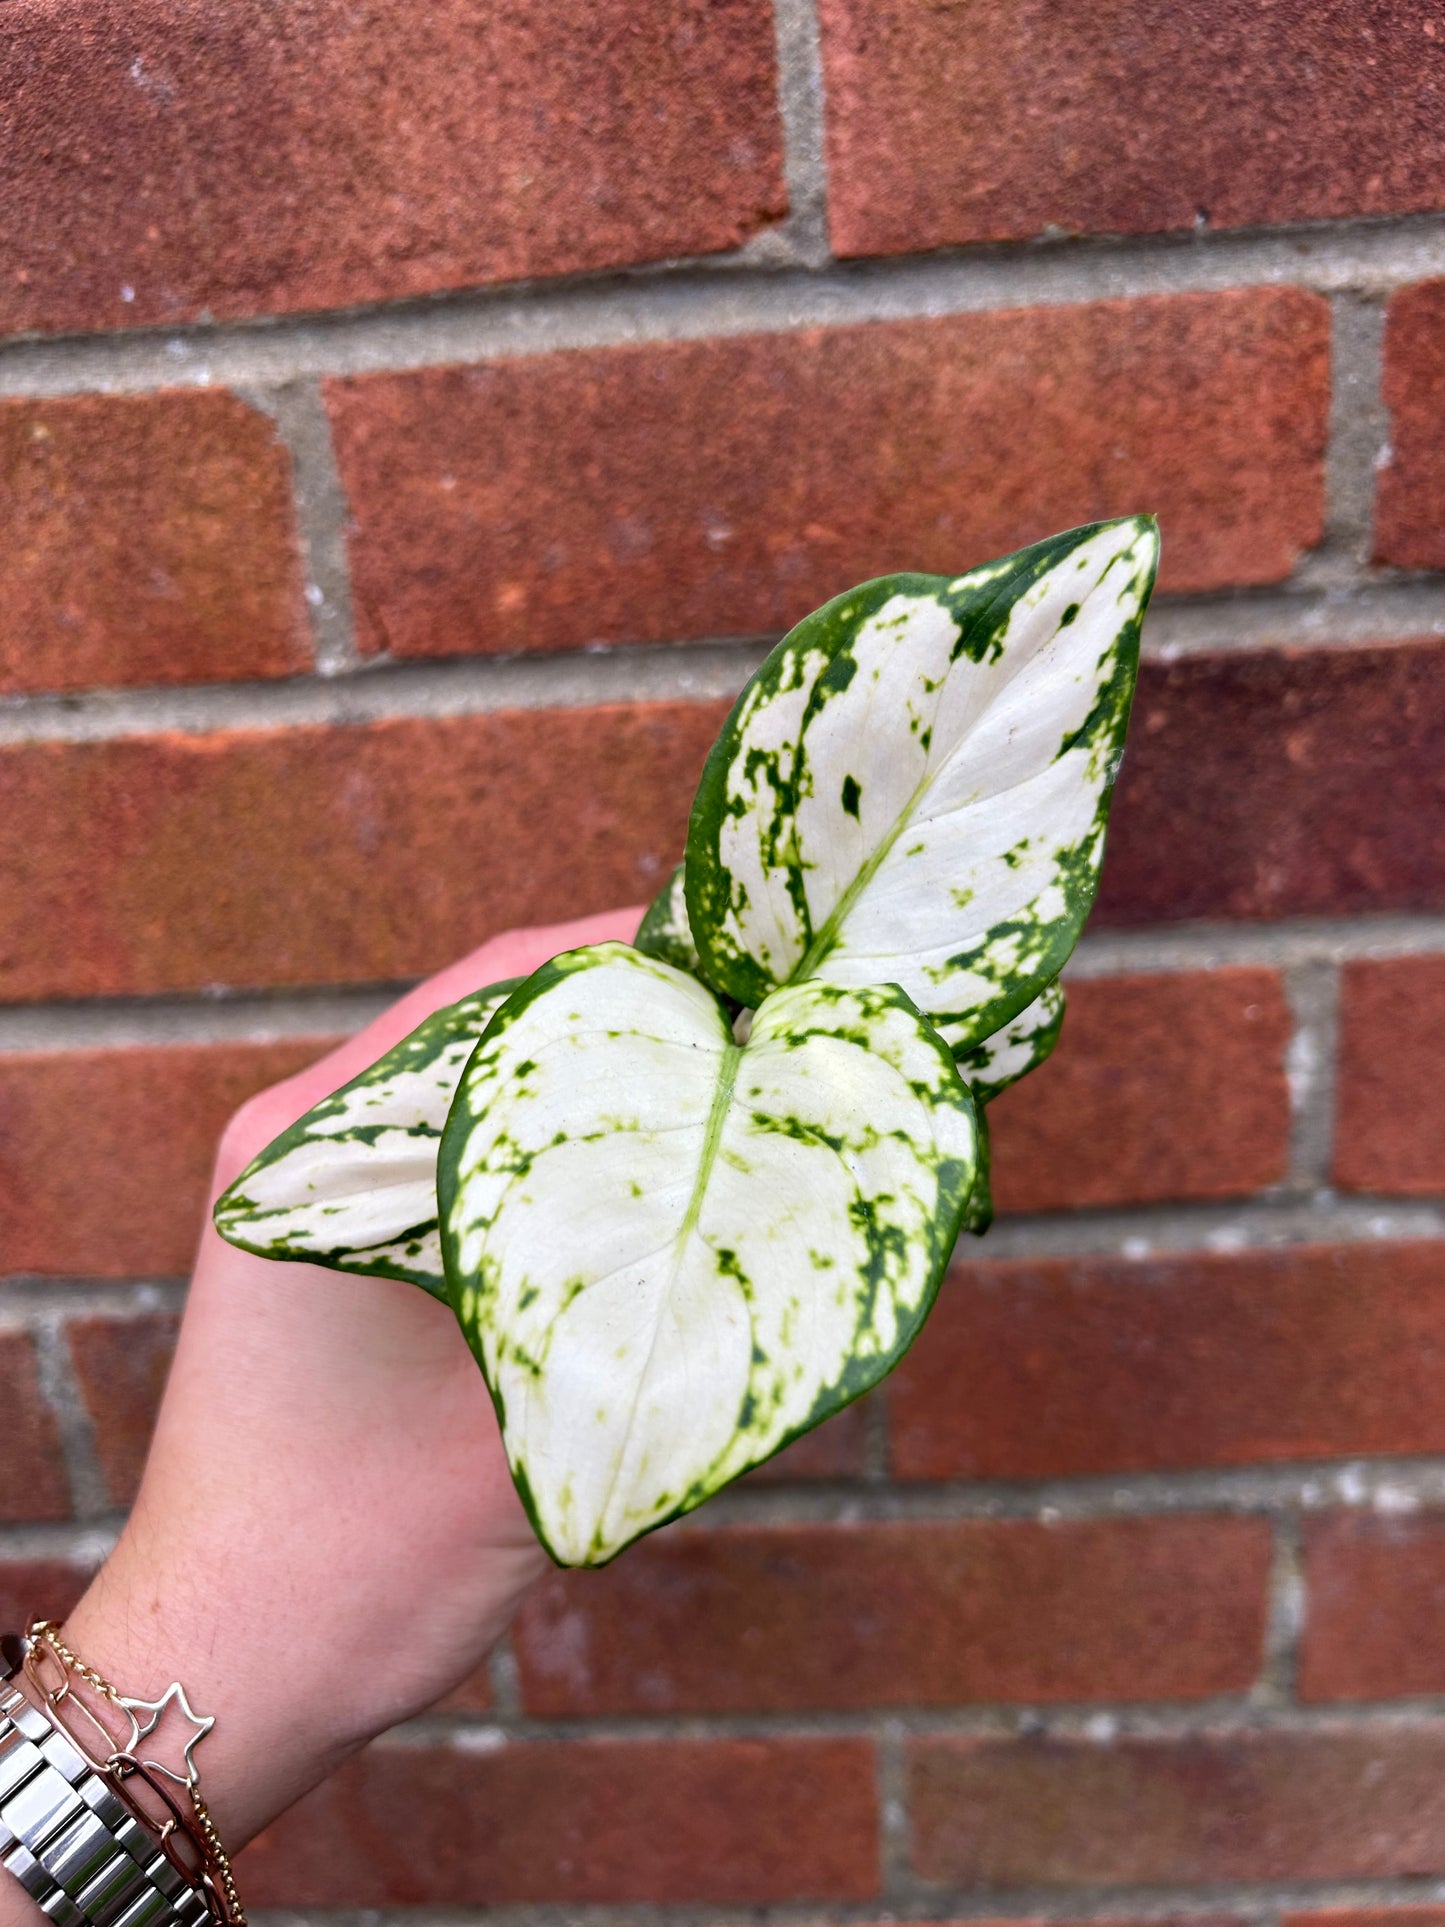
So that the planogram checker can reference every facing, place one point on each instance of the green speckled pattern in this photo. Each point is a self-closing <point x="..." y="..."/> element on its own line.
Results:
<point x="1020" y="1047"/>
<point x="914" y="787"/>
<point x="665" y="931"/>
<point x="672" y="1253"/>
<point x="352" y="1184"/>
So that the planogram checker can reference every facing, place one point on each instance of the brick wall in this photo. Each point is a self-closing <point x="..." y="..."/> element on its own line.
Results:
<point x="413" y="427"/>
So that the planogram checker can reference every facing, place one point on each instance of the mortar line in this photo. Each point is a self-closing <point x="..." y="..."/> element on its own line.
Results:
<point x="1282" y="1491"/>
<point x="25" y="1298"/>
<point x="803" y="238"/>
<point x="891" y="1782"/>
<point x="1312" y="989"/>
<point x="1095" y="1723"/>
<point x="379" y="690"/>
<point x="1393" y="1487"/>
<point x="1278" y="1679"/>
<point x="1128" y="1236"/>
<point x="320" y="507"/>
<point x="84" y="1543"/>
<point x="245" y="1015"/>
<point x="1376" y="614"/>
<point x="505" y="1678"/>
<point x="740" y="295"/>
<point x="60" y="1388"/>
<point x="1259" y="1904"/>
<point x="1358" y="433"/>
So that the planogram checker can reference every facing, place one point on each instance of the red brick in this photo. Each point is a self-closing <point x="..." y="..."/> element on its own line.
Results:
<point x="105" y="1157"/>
<point x="120" y="1365"/>
<point x="149" y="539"/>
<point x="316" y="854"/>
<point x="1059" y="1367"/>
<point x="38" y="1588"/>
<point x="1368" y="1917"/>
<point x="1410" y="491"/>
<point x="1282" y="783"/>
<point x="1375" y="1593"/>
<point x="725" y="1820"/>
<point x="722" y="487"/>
<point x="1390" y="1078"/>
<point x="474" y="1695"/>
<point x="1168" y="1086"/>
<point x="33" y="1484"/>
<point x="1323" y="1804"/>
<point x="166" y="162"/>
<point x="804" y="1618"/>
<point x="1011" y="118"/>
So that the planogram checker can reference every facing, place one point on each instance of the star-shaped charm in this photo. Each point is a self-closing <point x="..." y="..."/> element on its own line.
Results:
<point x="174" y="1695"/>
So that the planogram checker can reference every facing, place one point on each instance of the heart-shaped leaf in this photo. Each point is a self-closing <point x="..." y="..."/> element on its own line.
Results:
<point x="913" y="788"/>
<point x="1020" y="1047"/>
<point x="352" y="1184"/>
<point x="672" y="1253"/>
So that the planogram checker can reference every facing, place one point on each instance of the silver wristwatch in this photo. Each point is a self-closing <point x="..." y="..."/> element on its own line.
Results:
<point x="70" y="1841"/>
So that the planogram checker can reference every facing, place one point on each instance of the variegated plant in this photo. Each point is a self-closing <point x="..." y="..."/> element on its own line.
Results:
<point x="689" y="1197"/>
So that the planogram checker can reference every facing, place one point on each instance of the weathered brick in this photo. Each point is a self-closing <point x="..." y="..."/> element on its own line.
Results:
<point x="1389" y="1131"/>
<point x="1351" y="1803"/>
<point x="1062" y="1367"/>
<point x="1167" y="1086"/>
<point x="1410" y="490"/>
<point x="723" y="1820"/>
<point x="1282" y="783"/>
<point x="317" y="854"/>
<point x="38" y="1588"/>
<point x="120" y="1365"/>
<point x="148" y="539"/>
<point x="33" y="1484"/>
<point x="164" y="162"/>
<point x="727" y="486"/>
<point x="105" y="1156"/>
<point x="1375" y="1598"/>
<point x="1011" y="118"/>
<point x="805" y="1618"/>
<point x="314" y="854"/>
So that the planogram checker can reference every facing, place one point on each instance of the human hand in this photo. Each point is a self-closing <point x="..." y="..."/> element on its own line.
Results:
<point x="326" y="1539"/>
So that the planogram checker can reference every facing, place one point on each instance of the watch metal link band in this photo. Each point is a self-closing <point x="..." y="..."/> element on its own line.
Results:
<point x="71" y="1842"/>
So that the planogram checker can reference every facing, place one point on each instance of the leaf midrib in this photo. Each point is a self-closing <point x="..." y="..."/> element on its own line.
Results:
<point x="722" y="1098"/>
<point x="827" y="937"/>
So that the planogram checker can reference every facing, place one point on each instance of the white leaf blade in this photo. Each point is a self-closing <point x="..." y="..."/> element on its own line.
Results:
<point x="352" y="1184"/>
<point x="671" y="1254"/>
<point x="914" y="789"/>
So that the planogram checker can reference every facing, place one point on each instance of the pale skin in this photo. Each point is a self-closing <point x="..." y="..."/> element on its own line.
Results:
<point x="326" y="1539"/>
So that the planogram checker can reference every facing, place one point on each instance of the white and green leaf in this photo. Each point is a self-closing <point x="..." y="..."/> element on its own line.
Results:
<point x="352" y="1184"/>
<point x="978" y="1214"/>
<point x="914" y="787"/>
<point x="665" y="931"/>
<point x="672" y="1253"/>
<point x="1018" y="1048"/>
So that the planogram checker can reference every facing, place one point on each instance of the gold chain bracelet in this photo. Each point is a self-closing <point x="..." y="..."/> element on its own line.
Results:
<point x="189" y="1841"/>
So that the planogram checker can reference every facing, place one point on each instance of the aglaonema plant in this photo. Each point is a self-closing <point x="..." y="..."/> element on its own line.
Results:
<point x="688" y="1197"/>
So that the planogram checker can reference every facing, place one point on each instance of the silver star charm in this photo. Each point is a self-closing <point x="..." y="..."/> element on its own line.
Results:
<point x="174" y="1695"/>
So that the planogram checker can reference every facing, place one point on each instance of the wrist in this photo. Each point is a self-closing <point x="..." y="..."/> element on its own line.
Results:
<point x="296" y="1686"/>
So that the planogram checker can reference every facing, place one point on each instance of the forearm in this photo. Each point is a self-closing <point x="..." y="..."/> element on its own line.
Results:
<point x="327" y="1539"/>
